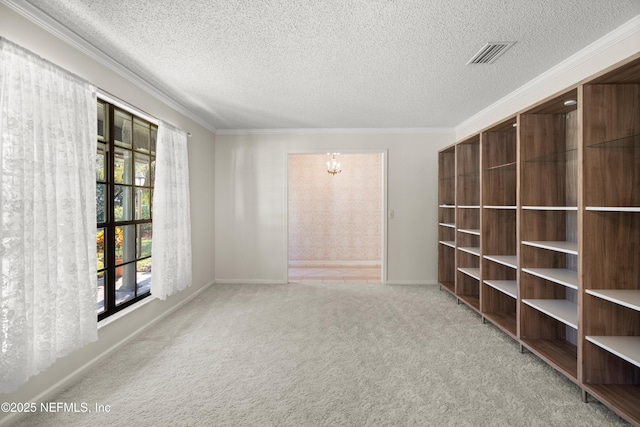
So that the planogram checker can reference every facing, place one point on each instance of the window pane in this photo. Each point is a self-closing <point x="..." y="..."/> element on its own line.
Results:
<point x="143" y="203"/>
<point x="141" y="136"/>
<point x="122" y="203"/>
<point x="100" y="294"/>
<point x="154" y="137"/>
<point x="125" y="282"/>
<point x="101" y="122"/>
<point x="125" y="166"/>
<point x="101" y="207"/>
<point x="125" y="244"/>
<point x="122" y="166"/>
<point x="144" y="240"/>
<point x="142" y="170"/>
<point x="100" y="249"/>
<point x="143" y="276"/>
<point x="101" y="165"/>
<point x="152" y="172"/>
<point x="122" y="128"/>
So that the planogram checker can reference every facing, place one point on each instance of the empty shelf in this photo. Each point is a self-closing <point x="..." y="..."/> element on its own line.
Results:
<point x="499" y="207"/>
<point x="627" y="348"/>
<point x="447" y="206"/>
<point x="473" y="272"/>
<point x="550" y="208"/>
<point x="508" y="260"/>
<point x="472" y="251"/>
<point x="509" y="287"/>
<point x="448" y="243"/>
<point x="629" y="298"/>
<point x="561" y="276"/>
<point x="614" y="208"/>
<point x="558" y="246"/>
<point x="560" y="309"/>
<point x="510" y="165"/>
<point x="469" y="231"/>
<point x="446" y="224"/>
<point x="625" y="141"/>
<point x="557" y="157"/>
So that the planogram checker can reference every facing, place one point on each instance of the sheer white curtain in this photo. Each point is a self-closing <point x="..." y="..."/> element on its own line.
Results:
<point x="171" y="247"/>
<point x="47" y="214"/>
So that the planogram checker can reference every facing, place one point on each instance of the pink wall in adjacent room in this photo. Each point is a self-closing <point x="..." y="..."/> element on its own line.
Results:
<point x="335" y="218"/>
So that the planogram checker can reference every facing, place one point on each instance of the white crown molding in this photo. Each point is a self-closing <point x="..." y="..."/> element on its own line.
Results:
<point x="564" y="68"/>
<point x="339" y="131"/>
<point x="39" y="18"/>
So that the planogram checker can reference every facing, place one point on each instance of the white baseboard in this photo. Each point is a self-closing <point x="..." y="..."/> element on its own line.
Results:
<point x="412" y="282"/>
<point x="49" y="393"/>
<point x="249" y="282"/>
<point x="335" y="264"/>
<point x="280" y="282"/>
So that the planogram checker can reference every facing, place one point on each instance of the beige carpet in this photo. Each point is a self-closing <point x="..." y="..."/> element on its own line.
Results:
<point x="326" y="355"/>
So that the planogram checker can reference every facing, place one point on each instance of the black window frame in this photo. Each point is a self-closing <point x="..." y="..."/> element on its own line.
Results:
<point x="131" y="191"/>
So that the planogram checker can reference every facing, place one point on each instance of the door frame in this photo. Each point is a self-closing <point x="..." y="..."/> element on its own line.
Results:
<point x="384" y="213"/>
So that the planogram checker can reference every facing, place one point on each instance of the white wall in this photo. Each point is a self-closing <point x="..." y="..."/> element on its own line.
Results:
<point x="251" y="177"/>
<point x="201" y="155"/>
<point x="251" y="200"/>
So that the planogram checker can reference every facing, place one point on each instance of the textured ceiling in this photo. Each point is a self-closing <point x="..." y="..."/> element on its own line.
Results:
<point x="245" y="64"/>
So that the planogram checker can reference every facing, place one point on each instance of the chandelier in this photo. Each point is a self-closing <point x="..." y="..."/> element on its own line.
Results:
<point x="333" y="166"/>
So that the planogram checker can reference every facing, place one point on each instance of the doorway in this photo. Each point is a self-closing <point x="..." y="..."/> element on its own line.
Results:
<point x="337" y="222"/>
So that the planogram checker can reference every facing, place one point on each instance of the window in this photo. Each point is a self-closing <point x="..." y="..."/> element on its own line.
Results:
<point x="125" y="165"/>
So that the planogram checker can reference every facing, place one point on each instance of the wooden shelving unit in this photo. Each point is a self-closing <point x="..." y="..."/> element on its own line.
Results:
<point x="549" y="232"/>
<point x="447" y="219"/>
<point x="611" y="262"/>
<point x="499" y="237"/>
<point x="540" y="232"/>
<point x="468" y="254"/>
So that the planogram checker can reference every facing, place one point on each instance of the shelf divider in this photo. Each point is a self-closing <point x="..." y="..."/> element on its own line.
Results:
<point x="560" y="309"/>
<point x="473" y="272"/>
<point x="613" y="208"/>
<point x="561" y="276"/>
<point x="470" y="250"/>
<point x="550" y="208"/>
<point x="627" y="348"/>
<point x="507" y="260"/>
<point x="557" y="157"/>
<point x="508" y="287"/>
<point x="558" y="246"/>
<point x="504" y="166"/>
<point x="629" y="298"/>
<point x="632" y="141"/>
<point x="470" y="231"/>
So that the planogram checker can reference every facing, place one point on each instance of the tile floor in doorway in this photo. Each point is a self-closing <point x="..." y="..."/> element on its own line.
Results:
<point x="335" y="274"/>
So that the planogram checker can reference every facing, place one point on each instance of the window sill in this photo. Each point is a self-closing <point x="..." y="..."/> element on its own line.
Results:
<point x="122" y="313"/>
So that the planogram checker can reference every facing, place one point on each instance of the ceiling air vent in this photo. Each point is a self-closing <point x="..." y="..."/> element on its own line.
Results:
<point x="490" y="52"/>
